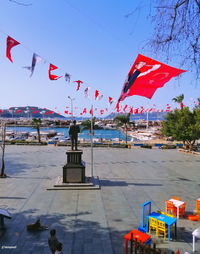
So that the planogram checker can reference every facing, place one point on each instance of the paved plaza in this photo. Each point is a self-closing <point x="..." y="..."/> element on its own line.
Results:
<point x="94" y="221"/>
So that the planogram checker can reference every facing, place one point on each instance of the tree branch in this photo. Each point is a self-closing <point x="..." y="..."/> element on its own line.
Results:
<point x="198" y="4"/>
<point x="19" y="3"/>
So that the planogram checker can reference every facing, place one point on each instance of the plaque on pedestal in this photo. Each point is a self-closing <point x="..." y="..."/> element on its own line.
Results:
<point x="74" y="170"/>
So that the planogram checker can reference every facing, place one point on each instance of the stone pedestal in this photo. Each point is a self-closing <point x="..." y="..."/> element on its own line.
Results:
<point x="74" y="170"/>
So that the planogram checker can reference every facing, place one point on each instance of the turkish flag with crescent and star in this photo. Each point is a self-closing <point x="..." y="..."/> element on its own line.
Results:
<point x="51" y="76"/>
<point x="10" y="44"/>
<point x="146" y="76"/>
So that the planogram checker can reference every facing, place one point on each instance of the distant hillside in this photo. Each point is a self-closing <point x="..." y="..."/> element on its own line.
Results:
<point x="29" y="112"/>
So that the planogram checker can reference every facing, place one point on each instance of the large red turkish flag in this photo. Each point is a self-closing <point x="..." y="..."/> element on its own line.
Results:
<point x="146" y="76"/>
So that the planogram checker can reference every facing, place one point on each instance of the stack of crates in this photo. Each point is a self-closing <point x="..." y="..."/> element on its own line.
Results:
<point x="198" y="206"/>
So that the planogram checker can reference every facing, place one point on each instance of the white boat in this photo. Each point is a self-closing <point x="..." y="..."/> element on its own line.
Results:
<point x="142" y="135"/>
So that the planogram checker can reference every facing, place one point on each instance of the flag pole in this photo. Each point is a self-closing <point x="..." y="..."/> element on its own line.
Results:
<point x="91" y="139"/>
<point x="147" y="118"/>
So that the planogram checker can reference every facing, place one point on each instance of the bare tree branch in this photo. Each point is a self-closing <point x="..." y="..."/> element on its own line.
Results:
<point x="176" y="32"/>
<point x="20" y="3"/>
<point x="198" y="4"/>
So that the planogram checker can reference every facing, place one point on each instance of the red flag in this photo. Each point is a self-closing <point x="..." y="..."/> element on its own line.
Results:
<point x="146" y="76"/>
<point x="66" y="112"/>
<point x="125" y="107"/>
<point x="182" y="105"/>
<point x="10" y="44"/>
<point x="79" y="82"/>
<point x="141" y="111"/>
<point x="51" y="76"/>
<point x="84" y="111"/>
<point x="178" y="252"/>
<point x="34" y="112"/>
<point x="91" y="111"/>
<point x="110" y="100"/>
<point x="96" y="94"/>
<point x="131" y="110"/>
<point x="136" y="111"/>
<point x="101" y="111"/>
<point x="117" y="107"/>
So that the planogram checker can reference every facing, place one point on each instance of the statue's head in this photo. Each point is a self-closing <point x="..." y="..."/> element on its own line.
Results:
<point x="74" y="122"/>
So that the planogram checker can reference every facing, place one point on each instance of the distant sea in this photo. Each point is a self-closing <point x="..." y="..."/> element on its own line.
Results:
<point x="104" y="134"/>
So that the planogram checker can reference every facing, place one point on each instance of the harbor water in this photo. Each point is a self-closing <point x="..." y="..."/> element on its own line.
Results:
<point x="98" y="134"/>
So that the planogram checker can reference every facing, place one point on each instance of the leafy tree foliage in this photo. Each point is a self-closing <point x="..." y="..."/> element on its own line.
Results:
<point x="183" y="125"/>
<point x="37" y="124"/>
<point x="86" y="125"/>
<point x="123" y="121"/>
<point x="198" y="103"/>
<point x="179" y="99"/>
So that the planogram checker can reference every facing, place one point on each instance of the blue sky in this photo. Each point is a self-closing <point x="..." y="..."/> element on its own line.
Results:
<point x="91" y="40"/>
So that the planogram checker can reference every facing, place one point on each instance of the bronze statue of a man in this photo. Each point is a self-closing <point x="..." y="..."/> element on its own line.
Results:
<point x="73" y="133"/>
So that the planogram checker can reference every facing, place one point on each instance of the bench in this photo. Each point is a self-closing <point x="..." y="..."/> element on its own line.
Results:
<point x="3" y="214"/>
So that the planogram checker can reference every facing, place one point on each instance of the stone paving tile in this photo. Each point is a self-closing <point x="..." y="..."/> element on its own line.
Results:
<point x="94" y="221"/>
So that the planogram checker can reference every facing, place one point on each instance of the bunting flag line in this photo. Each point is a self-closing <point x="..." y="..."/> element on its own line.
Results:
<point x="36" y="59"/>
<point x="51" y="76"/>
<point x="146" y="76"/>
<point x="79" y="82"/>
<point x="10" y="44"/>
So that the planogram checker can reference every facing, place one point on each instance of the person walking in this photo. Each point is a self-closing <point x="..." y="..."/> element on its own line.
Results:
<point x="58" y="248"/>
<point x="73" y="133"/>
<point x="53" y="241"/>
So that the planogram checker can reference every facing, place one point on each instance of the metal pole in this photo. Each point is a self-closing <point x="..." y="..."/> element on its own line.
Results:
<point x="71" y="99"/>
<point x="147" y="119"/>
<point x="72" y="109"/>
<point x="91" y="138"/>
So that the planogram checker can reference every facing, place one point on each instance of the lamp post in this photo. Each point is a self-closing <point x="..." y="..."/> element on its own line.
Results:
<point x="71" y="99"/>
